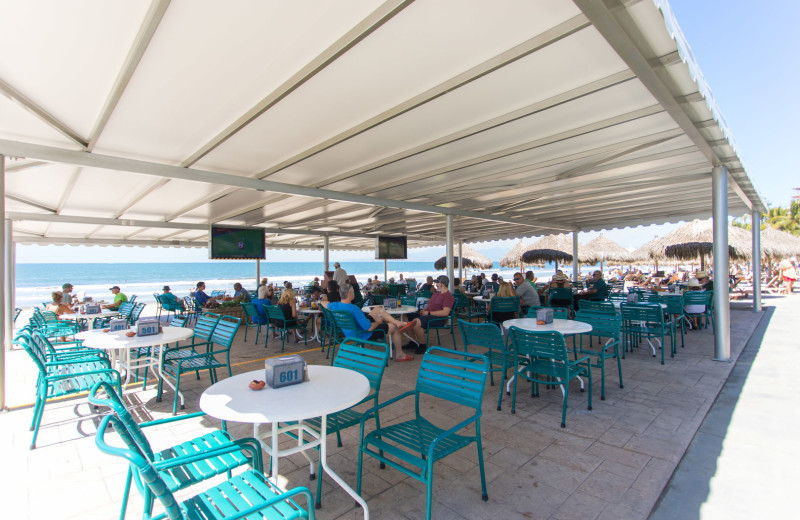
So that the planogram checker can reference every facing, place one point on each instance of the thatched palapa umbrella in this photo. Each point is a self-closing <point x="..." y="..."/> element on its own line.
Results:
<point x="551" y="248"/>
<point x="697" y="239"/>
<point x="778" y="244"/>
<point x="472" y="260"/>
<point x="514" y="257"/>
<point x="603" y="249"/>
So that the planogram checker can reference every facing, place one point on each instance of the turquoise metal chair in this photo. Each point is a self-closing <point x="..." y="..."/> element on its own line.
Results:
<point x="278" y="323"/>
<point x="605" y="327"/>
<point x="645" y="321"/>
<point x="63" y="374"/>
<point x="221" y="452"/>
<point x="542" y="359"/>
<point x="532" y="311"/>
<point x="674" y="313"/>
<point x="136" y="311"/>
<point x="247" y="495"/>
<point x="190" y="307"/>
<point x="219" y="347"/>
<point x="560" y="297"/>
<point x="700" y="298"/>
<point x="252" y="319"/>
<point x="330" y="333"/>
<point x="465" y="310"/>
<point x="560" y="313"/>
<point x="489" y="340"/>
<point x="504" y="305"/>
<point x="413" y="446"/>
<point x="445" y="323"/>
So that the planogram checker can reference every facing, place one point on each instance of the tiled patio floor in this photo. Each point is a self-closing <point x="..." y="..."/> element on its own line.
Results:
<point x="612" y="462"/>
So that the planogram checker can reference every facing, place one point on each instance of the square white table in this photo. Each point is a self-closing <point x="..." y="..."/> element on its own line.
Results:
<point x="329" y="390"/>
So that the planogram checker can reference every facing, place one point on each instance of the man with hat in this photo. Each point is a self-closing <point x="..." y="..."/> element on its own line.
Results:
<point x="705" y="281"/>
<point x="119" y="298"/>
<point x="436" y="313"/>
<point x="170" y="299"/>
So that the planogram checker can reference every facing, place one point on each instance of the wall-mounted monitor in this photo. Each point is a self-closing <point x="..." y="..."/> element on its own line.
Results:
<point x="236" y="243"/>
<point x="391" y="248"/>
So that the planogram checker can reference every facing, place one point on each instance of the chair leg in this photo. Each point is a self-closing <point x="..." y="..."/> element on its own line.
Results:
<point x="429" y="490"/>
<point x="484" y="494"/>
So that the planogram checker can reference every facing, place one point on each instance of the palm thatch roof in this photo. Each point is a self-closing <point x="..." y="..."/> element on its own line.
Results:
<point x="779" y="244"/>
<point x="551" y="248"/>
<point x="472" y="260"/>
<point x="603" y="249"/>
<point x="652" y="250"/>
<point x="514" y="257"/>
<point x="696" y="240"/>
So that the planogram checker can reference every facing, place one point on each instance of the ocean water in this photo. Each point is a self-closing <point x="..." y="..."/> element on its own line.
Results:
<point x="36" y="282"/>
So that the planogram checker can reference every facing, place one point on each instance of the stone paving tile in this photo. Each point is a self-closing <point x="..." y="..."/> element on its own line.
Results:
<point x="610" y="462"/>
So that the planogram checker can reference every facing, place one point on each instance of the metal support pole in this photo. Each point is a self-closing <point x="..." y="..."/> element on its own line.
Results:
<point x="385" y="271"/>
<point x="575" y="270"/>
<point x="258" y="273"/>
<point x="326" y="252"/>
<point x="755" y="265"/>
<point x="461" y="260"/>
<point x="449" y="254"/>
<point x="4" y="303"/>
<point x="722" y="310"/>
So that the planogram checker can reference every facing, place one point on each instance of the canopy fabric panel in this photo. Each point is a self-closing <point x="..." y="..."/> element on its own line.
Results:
<point x="519" y="118"/>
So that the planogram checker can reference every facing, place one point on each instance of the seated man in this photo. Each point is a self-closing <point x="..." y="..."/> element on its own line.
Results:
<point x="428" y="285"/>
<point x="437" y="312"/>
<point x="378" y="319"/>
<point x="240" y="294"/>
<point x="261" y="293"/>
<point x="170" y="299"/>
<point x="68" y="297"/>
<point x="119" y="298"/>
<point x="597" y="289"/>
<point x="527" y="294"/>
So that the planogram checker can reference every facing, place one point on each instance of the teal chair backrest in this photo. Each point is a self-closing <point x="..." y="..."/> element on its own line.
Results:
<point x="594" y="306"/>
<point x="603" y="324"/>
<point x="134" y="455"/>
<point x="225" y="331"/>
<point x="452" y="375"/>
<point x="544" y="344"/>
<point x="274" y="313"/>
<point x="462" y="302"/>
<point x="357" y="355"/>
<point x="136" y="311"/>
<point x="694" y="298"/>
<point x="410" y="301"/>
<point x="251" y="313"/>
<point x="345" y="322"/>
<point x="532" y="310"/>
<point x="205" y="326"/>
<point x="178" y="321"/>
<point x="505" y="304"/>
<point x="486" y="335"/>
<point x="649" y="313"/>
<point x="560" y="293"/>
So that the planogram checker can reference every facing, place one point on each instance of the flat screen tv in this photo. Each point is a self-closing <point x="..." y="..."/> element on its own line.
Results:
<point x="236" y="243"/>
<point x="391" y="248"/>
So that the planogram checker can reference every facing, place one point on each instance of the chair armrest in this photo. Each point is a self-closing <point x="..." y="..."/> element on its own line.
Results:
<point x="166" y="420"/>
<point x="384" y="404"/>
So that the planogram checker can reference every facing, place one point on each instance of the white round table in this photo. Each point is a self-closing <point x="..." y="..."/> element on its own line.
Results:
<point x="328" y="390"/>
<point x="120" y="347"/>
<point x="565" y="327"/>
<point x="313" y="313"/>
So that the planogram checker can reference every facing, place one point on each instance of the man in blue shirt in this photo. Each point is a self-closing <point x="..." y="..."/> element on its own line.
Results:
<point x="378" y="319"/>
<point x="240" y="294"/>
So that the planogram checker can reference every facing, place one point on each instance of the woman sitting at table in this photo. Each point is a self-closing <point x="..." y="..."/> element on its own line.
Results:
<point x="288" y="306"/>
<point x="505" y="291"/>
<point x="204" y="300"/>
<point x="57" y="306"/>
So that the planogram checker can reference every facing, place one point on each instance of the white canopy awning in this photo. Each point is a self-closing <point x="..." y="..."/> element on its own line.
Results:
<point x="129" y="123"/>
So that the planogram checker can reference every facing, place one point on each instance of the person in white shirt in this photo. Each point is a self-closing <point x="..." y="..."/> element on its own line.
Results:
<point x="340" y="275"/>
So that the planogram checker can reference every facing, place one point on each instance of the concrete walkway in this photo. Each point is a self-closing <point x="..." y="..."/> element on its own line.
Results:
<point x="743" y="462"/>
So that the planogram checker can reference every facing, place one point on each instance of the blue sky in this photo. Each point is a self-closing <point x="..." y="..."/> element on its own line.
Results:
<point x="747" y="53"/>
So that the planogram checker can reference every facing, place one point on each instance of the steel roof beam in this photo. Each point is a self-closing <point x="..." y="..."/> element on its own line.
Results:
<point x="615" y="24"/>
<point x="22" y="100"/>
<point x="108" y="162"/>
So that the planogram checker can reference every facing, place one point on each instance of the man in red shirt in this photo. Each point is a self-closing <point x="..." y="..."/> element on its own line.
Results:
<point x="437" y="312"/>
